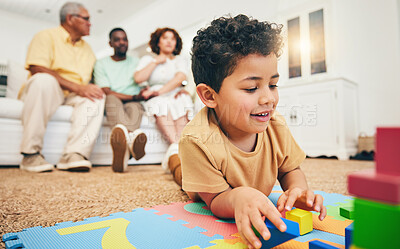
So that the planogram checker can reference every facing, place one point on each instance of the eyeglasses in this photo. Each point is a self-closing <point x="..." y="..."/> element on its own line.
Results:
<point x="86" y="18"/>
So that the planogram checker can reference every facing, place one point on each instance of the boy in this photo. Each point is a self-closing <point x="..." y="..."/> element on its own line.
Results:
<point x="235" y="148"/>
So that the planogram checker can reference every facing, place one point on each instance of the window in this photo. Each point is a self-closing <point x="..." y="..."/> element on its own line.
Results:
<point x="306" y="44"/>
<point x="294" y="48"/>
<point x="317" y="42"/>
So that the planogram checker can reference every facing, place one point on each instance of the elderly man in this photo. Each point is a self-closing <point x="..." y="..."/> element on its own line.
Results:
<point x="60" y="65"/>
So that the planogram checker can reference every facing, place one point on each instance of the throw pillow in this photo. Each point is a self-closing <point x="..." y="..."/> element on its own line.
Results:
<point x="17" y="75"/>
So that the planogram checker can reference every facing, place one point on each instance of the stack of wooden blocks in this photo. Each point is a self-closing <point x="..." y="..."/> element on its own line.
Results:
<point x="377" y="196"/>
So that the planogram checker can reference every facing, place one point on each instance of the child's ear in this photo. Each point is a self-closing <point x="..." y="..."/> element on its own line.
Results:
<point x="207" y="95"/>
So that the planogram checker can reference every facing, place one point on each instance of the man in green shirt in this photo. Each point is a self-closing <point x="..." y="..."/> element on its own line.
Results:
<point x="114" y="74"/>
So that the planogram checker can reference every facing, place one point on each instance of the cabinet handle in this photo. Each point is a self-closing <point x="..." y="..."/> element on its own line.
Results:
<point x="293" y="116"/>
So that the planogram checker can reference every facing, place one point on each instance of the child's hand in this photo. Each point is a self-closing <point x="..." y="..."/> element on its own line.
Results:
<point x="304" y="199"/>
<point x="250" y="206"/>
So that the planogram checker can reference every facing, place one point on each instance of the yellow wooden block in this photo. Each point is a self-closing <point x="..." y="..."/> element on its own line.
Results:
<point x="355" y="247"/>
<point x="303" y="217"/>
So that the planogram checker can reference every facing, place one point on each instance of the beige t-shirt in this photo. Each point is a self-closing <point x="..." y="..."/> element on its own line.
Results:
<point x="211" y="163"/>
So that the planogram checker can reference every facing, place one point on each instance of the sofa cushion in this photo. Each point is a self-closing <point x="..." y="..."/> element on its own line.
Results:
<point x="16" y="76"/>
<point x="12" y="109"/>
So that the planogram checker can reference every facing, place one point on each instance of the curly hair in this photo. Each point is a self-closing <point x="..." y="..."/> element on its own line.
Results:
<point x="155" y="38"/>
<point x="218" y="48"/>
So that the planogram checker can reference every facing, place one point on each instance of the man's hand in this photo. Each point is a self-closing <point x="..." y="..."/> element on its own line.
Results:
<point x="140" y="97"/>
<point x="144" y="94"/>
<point x="304" y="199"/>
<point x="250" y="207"/>
<point x="90" y="91"/>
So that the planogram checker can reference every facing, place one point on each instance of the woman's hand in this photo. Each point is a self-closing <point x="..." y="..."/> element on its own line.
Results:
<point x="148" y="94"/>
<point x="182" y="91"/>
<point x="160" y="59"/>
<point x="304" y="199"/>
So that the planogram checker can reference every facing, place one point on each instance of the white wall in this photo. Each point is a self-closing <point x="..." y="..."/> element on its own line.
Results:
<point x="187" y="16"/>
<point x="367" y="43"/>
<point x="16" y="32"/>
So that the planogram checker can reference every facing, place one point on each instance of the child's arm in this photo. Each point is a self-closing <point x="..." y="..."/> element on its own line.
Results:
<point x="247" y="205"/>
<point x="297" y="194"/>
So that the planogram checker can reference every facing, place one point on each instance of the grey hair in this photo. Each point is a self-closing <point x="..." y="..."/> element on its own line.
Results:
<point x="69" y="8"/>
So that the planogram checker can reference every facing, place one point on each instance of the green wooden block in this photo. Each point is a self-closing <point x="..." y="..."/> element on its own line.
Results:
<point x="347" y="212"/>
<point x="376" y="224"/>
<point x="256" y="232"/>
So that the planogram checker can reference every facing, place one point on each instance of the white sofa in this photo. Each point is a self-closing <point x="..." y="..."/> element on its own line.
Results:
<point x="57" y="130"/>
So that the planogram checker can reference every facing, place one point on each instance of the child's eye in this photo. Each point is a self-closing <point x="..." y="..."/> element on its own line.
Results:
<point x="273" y="86"/>
<point x="251" y="90"/>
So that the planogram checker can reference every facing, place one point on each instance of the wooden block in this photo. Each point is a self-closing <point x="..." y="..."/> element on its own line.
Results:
<point x="387" y="150"/>
<point x="304" y="218"/>
<point x="316" y="244"/>
<point x="376" y="224"/>
<point x="381" y="187"/>
<point x="347" y="212"/>
<point x="277" y="237"/>
<point x="348" y="235"/>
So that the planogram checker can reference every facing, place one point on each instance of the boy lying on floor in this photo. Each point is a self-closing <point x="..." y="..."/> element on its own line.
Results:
<point x="235" y="148"/>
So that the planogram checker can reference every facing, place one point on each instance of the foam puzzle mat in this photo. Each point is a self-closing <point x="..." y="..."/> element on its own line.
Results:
<point x="178" y="225"/>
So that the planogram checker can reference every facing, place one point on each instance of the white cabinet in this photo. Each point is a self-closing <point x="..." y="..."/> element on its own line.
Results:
<point x="322" y="116"/>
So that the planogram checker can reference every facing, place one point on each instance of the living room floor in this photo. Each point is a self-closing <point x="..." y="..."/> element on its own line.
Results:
<point x="29" y="199"/>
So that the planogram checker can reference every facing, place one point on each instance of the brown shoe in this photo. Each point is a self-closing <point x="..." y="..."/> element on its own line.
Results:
<point x="174" y="165"/>
<point x="74" y="162"/>
<point x="35" y="163"/>
<point x="119" y="144"/>
<point x="137" y="142"/>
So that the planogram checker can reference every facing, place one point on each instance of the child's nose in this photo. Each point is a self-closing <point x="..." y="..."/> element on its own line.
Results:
<point x="267" y="97"/>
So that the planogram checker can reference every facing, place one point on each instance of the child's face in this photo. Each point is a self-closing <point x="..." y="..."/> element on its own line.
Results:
<point x="248" y="97"/>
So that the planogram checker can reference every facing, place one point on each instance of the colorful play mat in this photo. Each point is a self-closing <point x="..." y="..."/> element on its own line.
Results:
<point x="178" y="225"/>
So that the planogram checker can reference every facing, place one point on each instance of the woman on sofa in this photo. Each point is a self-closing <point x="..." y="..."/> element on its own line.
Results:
<point x="165" y="73"/>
